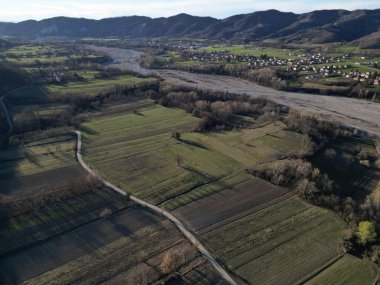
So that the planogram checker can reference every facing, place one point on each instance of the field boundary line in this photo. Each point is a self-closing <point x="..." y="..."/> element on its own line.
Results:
<point x="205" y="230"/>
<point x="320" y="269"/>
<point x="193" y="240"/>
<point x="68" y="231"/>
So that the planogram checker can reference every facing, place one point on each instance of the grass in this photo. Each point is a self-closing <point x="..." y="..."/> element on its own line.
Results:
<point x="348" y="270"/>
<point x="94" y="87"/>
<point x="291" y="236"/>
<point x="133" y="259"/>
<point x="26" y="92"/>
<point x="354" y="178"/>
<point x="37" y="157"/>
<point x="36" y="60"/>
<point x="136" y="152"/>
<point x="57" y="218"/>
<point x="257" y="51"/>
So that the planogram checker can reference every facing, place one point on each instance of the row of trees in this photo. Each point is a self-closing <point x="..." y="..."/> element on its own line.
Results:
<point x="216" y="109"/>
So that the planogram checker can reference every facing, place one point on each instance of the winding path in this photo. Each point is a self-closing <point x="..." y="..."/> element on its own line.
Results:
<point x="178" y="224"/>
<point x="165" y="213"/>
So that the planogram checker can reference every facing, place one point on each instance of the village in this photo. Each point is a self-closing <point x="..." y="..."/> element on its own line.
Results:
<point x="313" y="66"/>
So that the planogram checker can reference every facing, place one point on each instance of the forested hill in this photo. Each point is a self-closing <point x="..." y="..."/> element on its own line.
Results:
<point x="362" y="26"/>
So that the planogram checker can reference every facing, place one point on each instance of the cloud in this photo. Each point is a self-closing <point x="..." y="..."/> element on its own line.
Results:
<point x="18" y="10"/>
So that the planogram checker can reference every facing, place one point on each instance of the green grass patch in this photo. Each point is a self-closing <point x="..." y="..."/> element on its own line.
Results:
<point x="38" y="157"/>
<point x="136" y="152"/>
<point x="280" y="244"/>
<point x="94" y="87"/>
<point x="257" y="51"/>
<point x="349" y="270"/>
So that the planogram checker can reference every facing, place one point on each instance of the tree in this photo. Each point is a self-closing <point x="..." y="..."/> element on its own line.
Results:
<point x="366" y="233"/>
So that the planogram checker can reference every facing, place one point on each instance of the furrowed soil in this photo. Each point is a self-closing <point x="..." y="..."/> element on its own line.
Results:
<point x="229" y="205"/>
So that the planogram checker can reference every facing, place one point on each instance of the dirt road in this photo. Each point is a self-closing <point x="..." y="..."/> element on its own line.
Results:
<point x="357" y="113"/>
<point x="178" y="224"/>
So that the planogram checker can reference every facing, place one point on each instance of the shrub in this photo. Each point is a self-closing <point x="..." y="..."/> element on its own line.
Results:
<point x="366" y="233"/>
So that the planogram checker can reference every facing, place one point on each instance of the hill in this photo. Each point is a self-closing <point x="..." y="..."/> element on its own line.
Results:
<point x="316" y="27"/>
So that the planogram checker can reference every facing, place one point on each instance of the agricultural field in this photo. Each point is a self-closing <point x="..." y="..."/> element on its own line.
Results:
<point x="30" y="228"/>
<point x="47" y="54"/>
<point x="129" y="245"/>
<point x="33" y="167"/>
<point x="288" y="236"/>
<point x="97" y="86"/>
<point x="229" y="205"/>
<point x="113" y="237"/>
<point x="257" y="51"/>
<point x="250" y="225"/>
<point x="349" y="270"/>
<point x="136" y="151"/>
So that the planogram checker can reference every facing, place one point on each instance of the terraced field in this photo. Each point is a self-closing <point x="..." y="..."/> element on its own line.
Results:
<point x="30" y="228"/>
<point x="130" y="245"/>
<point x="93" y="236"/>
<point x="289" y="236"/>
<point x="259" y="231"/>
<point x="136" y="152"/>
<point x="232" y="204"/>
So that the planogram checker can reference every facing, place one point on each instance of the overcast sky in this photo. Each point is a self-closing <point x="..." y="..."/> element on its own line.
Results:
<point x="18" y="10"/>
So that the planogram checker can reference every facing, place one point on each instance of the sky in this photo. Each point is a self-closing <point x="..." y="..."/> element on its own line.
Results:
<point x="19" y="10"/>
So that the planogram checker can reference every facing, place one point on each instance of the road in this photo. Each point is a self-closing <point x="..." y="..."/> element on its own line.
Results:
<point x="361" y="114"/>
<point x="7" y="116"/>
<point x="224" y="274"/>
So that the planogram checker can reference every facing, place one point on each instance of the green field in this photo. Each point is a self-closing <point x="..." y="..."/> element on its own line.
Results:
<point x="257" y="51"/>
<point x="38" y="157"/>
<point x="96" y="86"/>
<point x="348" y="270"/>
<point x="280" y="244"/>
<point x="136" y="152"/>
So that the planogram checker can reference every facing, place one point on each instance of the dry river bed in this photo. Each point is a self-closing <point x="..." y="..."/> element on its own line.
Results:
<point x="364" y="115"/>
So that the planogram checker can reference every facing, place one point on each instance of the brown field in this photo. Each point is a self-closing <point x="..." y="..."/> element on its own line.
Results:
<point x="30" y="228"/>
<point x="231" y="204"/>
<point x="57" y="251"/>
<point x="130" y="245"/>
<point x="39" y="182"/>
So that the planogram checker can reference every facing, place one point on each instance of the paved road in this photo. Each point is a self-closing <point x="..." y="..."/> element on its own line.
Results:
<point x="357" y="113"/>
<point x="7" y="116"/>
<point x="178" y="223"/>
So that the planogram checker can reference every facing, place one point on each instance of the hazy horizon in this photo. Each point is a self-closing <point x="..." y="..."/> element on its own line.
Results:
<point x="21" y="10"/>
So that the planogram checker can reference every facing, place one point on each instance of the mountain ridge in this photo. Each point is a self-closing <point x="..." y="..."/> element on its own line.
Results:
<point x="321" y="26"/>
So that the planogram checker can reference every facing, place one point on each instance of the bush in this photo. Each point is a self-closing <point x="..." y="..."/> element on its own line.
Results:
<point x="366" y="233"/>
<point x="297" y="174"/>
